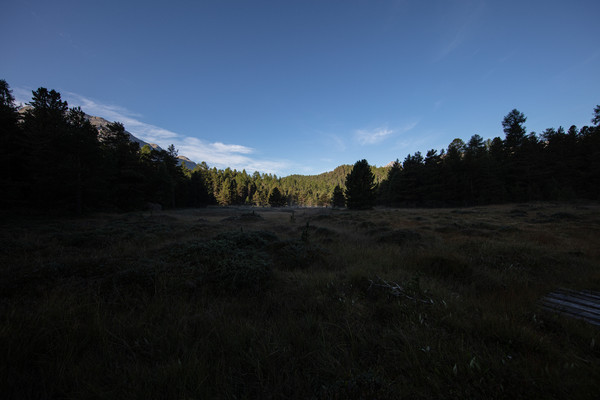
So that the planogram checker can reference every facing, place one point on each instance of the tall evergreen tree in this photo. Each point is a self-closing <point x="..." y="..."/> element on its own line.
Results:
<point x="360" y="186"/>
<point x="596" y="118"/>
<point x="124" y="168"/>
<point x="412" y="179"/>
<point x="82" y="159"/>
<point x="389" y="189"/>
<point x="10" y="150"/>
<point x="514" y="130"/>
<point x="45" y="132"/>
<point x="590" y="152"/>
<point x="515" y="145"/>
<point x="276" y="199"/>
<point x="475" y="169"/>
<point x="200" y="193"/>
<point x="432" y="177"/>
<point x="338" y="199"/>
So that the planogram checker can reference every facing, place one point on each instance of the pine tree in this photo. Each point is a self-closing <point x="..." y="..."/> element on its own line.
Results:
<point x="276" y="199"/>
<point x="10" y="151"/>
<point x="45" y="130"/>
<point x="514" y="129"/>
<point x="338" y="199"/>
<point x="81" y="159"/>
<point x="124" y="168"/>
<point x="360" y="186"/>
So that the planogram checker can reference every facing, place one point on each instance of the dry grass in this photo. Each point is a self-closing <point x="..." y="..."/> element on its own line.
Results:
<point x="160" y="306"/>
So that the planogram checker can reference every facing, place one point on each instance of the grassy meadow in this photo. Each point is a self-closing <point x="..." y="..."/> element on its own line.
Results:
<point x="235" y="303"/>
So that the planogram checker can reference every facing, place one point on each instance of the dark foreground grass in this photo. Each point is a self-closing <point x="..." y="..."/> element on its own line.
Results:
<point x="383" y="304"/>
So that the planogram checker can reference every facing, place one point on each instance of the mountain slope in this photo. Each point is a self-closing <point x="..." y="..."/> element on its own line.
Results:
<point x="101" y="124"/>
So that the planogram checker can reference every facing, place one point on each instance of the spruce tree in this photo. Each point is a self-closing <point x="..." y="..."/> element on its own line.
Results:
<point x="82" y="175"/>
<point x="360" y="187"/>
<point x="514" y="129"/>
<point x="276" y="199"/>
<point x="10" y="150"/>
<point x="124" y="167"/>
<point x="338" y="199"/>
<point x="45" y="130"/>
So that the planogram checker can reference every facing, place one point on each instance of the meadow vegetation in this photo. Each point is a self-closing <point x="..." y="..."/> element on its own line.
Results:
<point x="240" y="303"/>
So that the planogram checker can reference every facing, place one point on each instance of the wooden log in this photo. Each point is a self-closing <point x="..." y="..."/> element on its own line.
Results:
<point x="583" y="305"/>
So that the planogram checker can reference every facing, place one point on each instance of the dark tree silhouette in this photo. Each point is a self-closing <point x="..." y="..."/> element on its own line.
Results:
<point x="10" y="150"/>
<point x="276" y="199"/>
<point x="82" y="160"/>
<point x="390" y="188"/>
<point x="360" y="186"/>
<point x="596" y="118"/>
<point x="338" y="199"/>
<point x="123" y="168"/>
<point x="514" y="129"/>
<point x="45" y="130"/>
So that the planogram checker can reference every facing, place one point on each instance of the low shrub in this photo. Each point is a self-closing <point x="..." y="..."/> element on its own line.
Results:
<point x="296" y="254"/>
<point x="229" y="261"/>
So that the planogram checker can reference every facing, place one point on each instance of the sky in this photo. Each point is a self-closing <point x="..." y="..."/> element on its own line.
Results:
<point x="302" y="86"/>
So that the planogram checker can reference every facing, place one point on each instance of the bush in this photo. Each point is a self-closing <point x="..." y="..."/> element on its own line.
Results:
<point x="296" y="254"/>
<point x="238" y="271"/>
<point x="229" y="261"/>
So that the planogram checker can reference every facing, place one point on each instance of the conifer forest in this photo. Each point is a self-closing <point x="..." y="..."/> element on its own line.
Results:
<point x="54" y="159"/>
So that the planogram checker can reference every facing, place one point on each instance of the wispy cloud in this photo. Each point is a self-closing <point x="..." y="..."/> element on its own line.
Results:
<point x="223" y="155"/>
<point x="378" y="135"/>
<point x="215" y="154"/>
<point x="373" y="136"/>
<point x="336" y="143"/>
<point x="21" y="95"/>
<point x="423" y="141"/>
<point x="146" y="132"/>
<point x="574" y="68"/>
<point x="461" y="33"/>
<point x="449" y="47"/>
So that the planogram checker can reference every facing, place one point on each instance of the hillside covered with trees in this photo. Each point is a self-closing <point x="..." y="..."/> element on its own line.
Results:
<point x="53" y="159"/>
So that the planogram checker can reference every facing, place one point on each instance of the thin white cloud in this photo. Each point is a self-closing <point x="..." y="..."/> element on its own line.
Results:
<point x="459" y="37"/>
<point x="408" y="126"/>
<point x="339" y="144"/>
<point x="373" y="136"/>
<point x="107" y="111"/>
<point x="22" y="96"/>
<point x="147" y="132"/>
<point x="333" y="142"/>
<point x="216" y="154"/>
<point x="422" y="142"/>
<point x="378" y="135"/>
<point x="232" y="148"/>
<point x="461" y="33"/>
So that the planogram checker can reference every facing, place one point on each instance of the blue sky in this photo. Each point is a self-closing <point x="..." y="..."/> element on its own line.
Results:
<point x="301" y="86"/>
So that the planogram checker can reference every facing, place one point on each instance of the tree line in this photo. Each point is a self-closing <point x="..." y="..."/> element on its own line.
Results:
<point x="553" y="165"/>
<point x="54" y="160"/>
